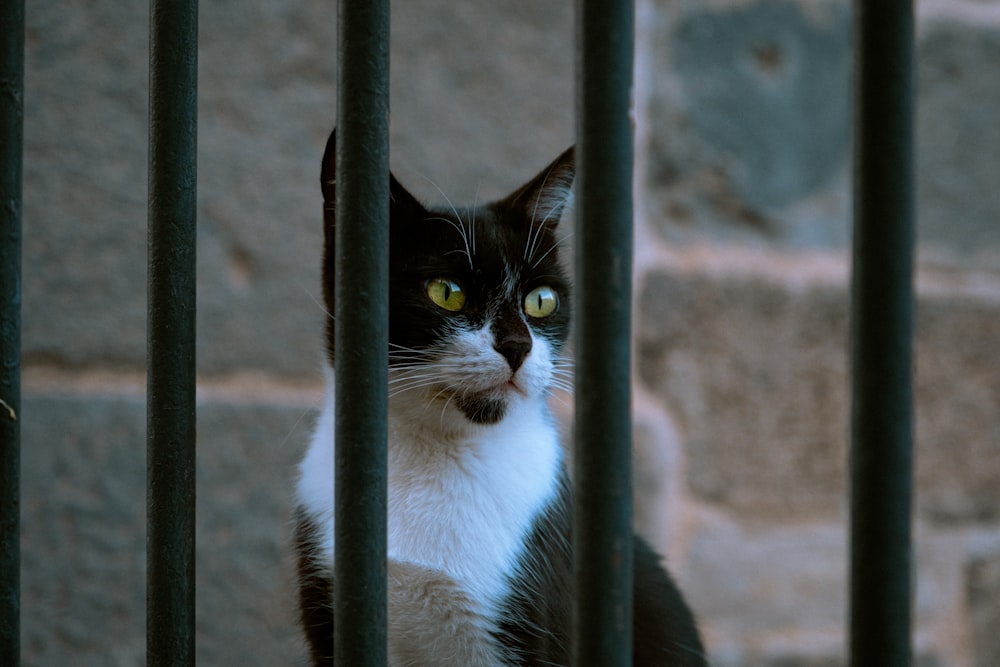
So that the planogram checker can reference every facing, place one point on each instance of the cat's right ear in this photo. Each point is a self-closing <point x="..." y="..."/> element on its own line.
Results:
<point x="328" y="182"/>
<point x="401" y="203"/>
<point x="548" y="194"/>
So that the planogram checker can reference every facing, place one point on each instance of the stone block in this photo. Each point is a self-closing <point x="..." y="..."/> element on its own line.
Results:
<point x="836" y="659"/>
<point x="755" y="372"/>
<point x="84" y="522"/>
<point x="755" y="376"/>
<point x="982" y="577"/>
<point x="778" y="596"/>
<point x="750" y="125"/>
<point x="747" y="584"/>
<point x="958" y="203"/>
<point x="957" y="422"/>
<point x="655" y="481"/>
<point x="749" y="122"/>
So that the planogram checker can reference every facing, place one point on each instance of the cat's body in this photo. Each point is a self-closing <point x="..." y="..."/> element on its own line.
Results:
<point x="479" y="569"/>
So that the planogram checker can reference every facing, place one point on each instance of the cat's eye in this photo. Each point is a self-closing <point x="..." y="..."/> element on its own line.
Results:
<point x="446" y="293"/>
<point x="541" y="302"/>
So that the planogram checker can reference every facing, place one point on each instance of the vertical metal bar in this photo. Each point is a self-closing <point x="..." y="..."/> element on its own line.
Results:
<point x="11" y="156"/>
<point x="603" y="464"/>
<point x="173" y="122"/>
<point x="361" y="332"/>
<point x="882" y="334"/>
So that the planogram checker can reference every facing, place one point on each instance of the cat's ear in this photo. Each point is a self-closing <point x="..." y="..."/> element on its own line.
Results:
<point x="401" y="202"/>
<point x="547" y="195"/>
<point x="328" y="182"/>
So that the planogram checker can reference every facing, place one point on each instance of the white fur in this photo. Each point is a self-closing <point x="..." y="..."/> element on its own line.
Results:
<point x="462" y="496"/>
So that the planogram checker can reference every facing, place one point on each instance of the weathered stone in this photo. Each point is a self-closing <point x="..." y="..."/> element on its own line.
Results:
<point x="743" y="583"/>
<point x="654" y="478"/>
<point x="837" y="659"/>
<point x="779" y="596"/>
<point x="750" y="127"/>
<point x="957" y="421"/>
<point x="83" y="532"/>
<point x="958" y="202"/>
<point x="756" y="375"/>
<point x="983" y="594"/>
<point x="764" y="84"/>
<point x="751" y="138"/>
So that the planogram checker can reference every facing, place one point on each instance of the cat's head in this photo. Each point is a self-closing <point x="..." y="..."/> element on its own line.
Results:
<point x="479" y="302"/>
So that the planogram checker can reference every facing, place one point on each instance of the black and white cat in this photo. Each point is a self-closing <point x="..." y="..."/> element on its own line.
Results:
<point x="479" y="560"/>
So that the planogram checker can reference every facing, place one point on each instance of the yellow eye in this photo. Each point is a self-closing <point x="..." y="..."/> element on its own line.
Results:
<point x="446" y="293"/>
<point x="541" y="302"/>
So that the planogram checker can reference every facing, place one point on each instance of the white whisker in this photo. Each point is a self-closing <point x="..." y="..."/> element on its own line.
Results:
<point x="475" y="208"/>
<point x="322" y="306"/>
<point x="461" y="230"/>
<point x="469" y="248"/>
<point x="555" y="245"/>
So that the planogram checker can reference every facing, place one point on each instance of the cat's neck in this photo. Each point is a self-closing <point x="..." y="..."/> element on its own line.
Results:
<point x="462" y="497"/>
<point x="465" y="505"/>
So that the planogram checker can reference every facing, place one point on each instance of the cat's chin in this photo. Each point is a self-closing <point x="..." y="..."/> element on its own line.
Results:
<point x="485" y="410"/>
<point x="489" y="406"/>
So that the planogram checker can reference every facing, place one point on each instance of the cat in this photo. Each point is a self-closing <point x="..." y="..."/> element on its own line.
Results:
<point x="479" y="500"/>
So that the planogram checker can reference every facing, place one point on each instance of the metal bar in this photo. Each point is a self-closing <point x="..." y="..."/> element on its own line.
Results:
<point x="173" y="123"/>
<point x="11" y="160"/>
<point x="361" y="332"/>
<point x="882" y="337"/>
<point x="603" y="463"/>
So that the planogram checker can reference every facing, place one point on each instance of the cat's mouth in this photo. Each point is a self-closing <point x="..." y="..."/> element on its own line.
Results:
<point x="497" y="392"/>
<point x="511" y="386"/>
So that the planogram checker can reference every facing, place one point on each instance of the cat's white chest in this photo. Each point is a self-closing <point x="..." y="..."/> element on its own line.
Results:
<point x="464" y="508"/>
<point x="467" y="508"/>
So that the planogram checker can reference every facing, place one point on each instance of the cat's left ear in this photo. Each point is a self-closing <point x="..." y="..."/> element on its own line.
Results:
<point x="546" y="196"/>
<point x="401" y="202"/>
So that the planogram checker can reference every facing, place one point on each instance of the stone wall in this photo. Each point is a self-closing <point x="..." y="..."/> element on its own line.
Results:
<point x="743" y="169"/>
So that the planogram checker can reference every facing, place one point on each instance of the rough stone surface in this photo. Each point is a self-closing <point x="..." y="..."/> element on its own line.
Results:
<point x="756" y="377"/>
<point x="756" y="374"/>
<point x="751" y="143"/>
<point x="758" y="586"/>
<point x="752" y="122"/>
<point x="84" y="523"/>
<point x="983" y="590"/>
<point x="958" y="202"/>
<point x="958" y="425"/>
<point x="762" y="83"/>
<point x="795" y="574"/>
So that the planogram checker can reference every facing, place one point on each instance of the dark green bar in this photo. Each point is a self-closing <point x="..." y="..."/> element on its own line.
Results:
<point x="11" y="143"/>
<point x="173" y="123"/>
<point x="882" y="337"/>
<point x="361" y="332"/>
<point x="603" y="460"/>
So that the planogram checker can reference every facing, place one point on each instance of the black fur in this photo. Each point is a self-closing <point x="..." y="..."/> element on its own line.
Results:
<point x="315" y="593"/>
<point x="538" y="614"/>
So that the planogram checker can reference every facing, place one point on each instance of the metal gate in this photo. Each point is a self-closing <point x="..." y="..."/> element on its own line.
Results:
<point x="882" y="315"/>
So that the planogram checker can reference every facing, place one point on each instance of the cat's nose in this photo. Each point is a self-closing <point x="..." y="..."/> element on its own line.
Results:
<point x="514" y="349"/>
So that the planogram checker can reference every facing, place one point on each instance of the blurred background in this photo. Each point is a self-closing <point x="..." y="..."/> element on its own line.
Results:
<point x="743" y="151"/>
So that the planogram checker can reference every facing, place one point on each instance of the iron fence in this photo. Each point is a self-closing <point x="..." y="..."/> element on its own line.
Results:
<point x="882" y="314"/>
